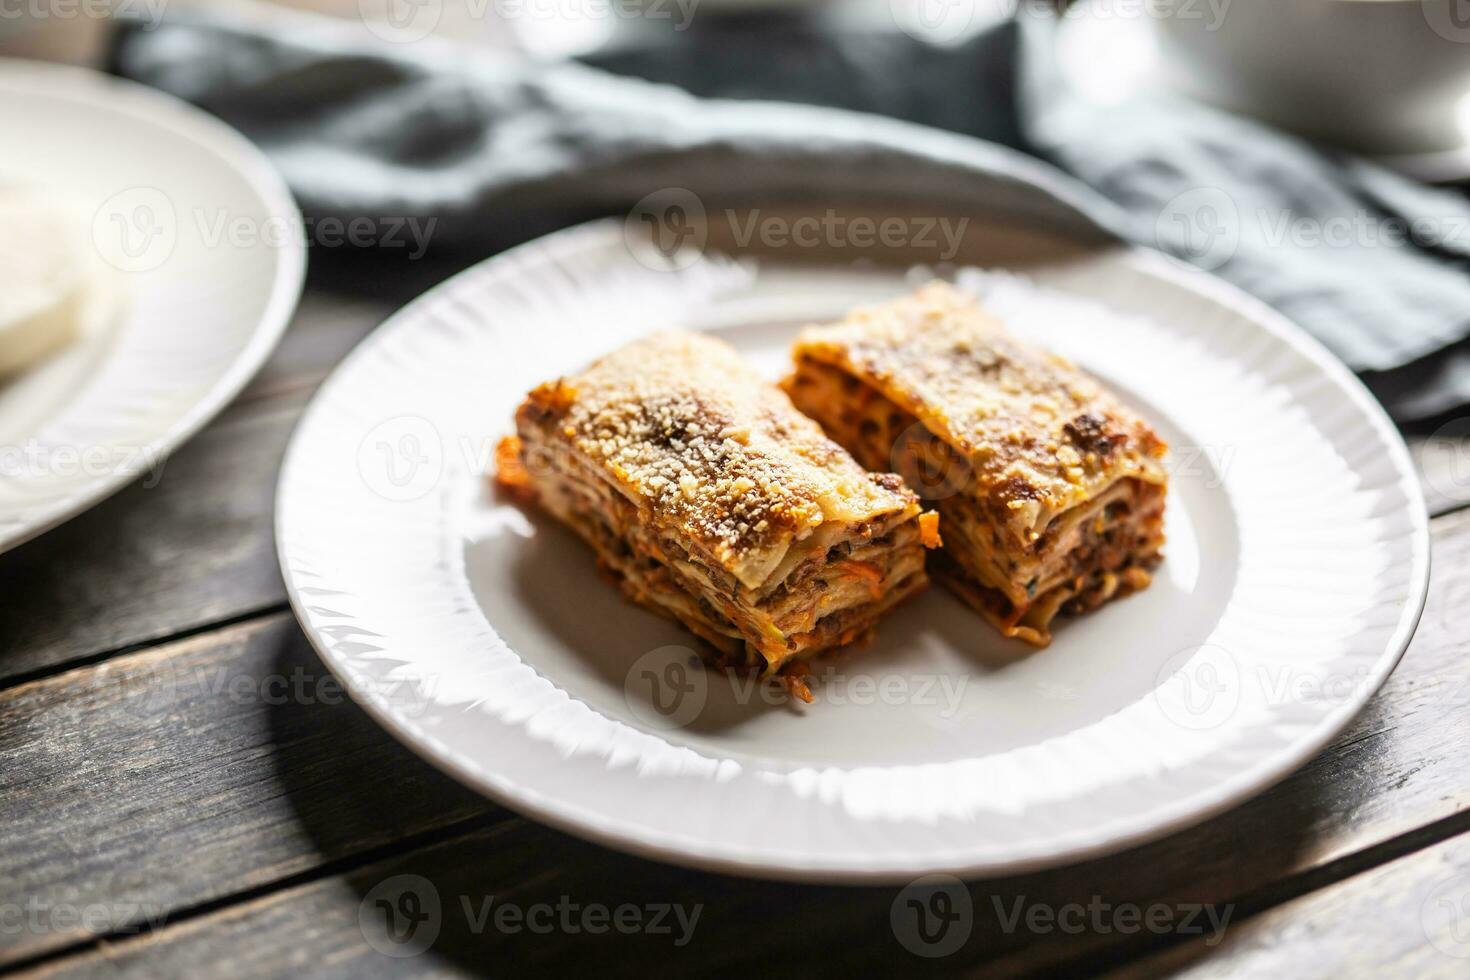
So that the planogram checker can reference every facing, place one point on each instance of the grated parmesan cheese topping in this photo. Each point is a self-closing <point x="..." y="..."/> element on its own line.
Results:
<point x="709" y="449"/>
<point x="1040" y="434"/>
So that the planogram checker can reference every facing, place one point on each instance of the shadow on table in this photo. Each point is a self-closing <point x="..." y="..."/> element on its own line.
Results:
<point x="440" y="872"/>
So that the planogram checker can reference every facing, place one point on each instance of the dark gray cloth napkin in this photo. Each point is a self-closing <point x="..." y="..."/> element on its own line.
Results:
<point x="496" y="152"/>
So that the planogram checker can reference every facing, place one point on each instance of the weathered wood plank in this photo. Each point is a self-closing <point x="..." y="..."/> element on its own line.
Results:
<point x="688" y="923"/>
<point x="182" y="774"/>
<point x="327" y="325"/>
<point x="1408" y="918"/>
<point x="285" y="789"/>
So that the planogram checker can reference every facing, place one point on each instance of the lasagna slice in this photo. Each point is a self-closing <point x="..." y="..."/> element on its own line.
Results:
<point x="1051" y="491"/>
<point x="709" y="499"/>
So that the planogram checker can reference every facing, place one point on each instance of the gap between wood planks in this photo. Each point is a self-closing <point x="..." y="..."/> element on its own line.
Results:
<point x="327" y="869"/>
<point x="1253" y="904"/>
<point x="78" y="663"/>
<point x="1405" y="918"/>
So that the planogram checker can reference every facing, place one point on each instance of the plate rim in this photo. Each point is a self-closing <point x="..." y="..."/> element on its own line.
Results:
<point x="132" y="99"/>
<point x="690" y="851"/>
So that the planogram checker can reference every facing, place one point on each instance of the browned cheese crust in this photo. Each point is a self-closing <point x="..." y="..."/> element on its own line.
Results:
<point x="1051" y="490"/>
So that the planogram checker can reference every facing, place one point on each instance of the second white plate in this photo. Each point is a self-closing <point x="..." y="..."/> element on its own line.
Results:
<point x="204" y="265"/>
<point x="482" y="636"/>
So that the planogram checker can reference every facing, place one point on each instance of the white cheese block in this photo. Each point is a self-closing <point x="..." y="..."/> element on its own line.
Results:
<point x="47" y="269"/>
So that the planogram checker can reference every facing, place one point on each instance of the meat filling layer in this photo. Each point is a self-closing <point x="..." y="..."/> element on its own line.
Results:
<point x="1097" y="550"/>
<point x="832" y="591"/>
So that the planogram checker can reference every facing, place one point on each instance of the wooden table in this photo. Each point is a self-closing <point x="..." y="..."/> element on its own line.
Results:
<point x="186" y="792"/>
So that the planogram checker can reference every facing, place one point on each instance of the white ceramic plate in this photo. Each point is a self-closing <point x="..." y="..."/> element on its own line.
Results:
<point x="482" y="636"/>
<point x="204" y="266"/>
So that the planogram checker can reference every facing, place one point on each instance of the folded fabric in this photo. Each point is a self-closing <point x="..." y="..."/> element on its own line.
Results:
<point x="499" y="150"/>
